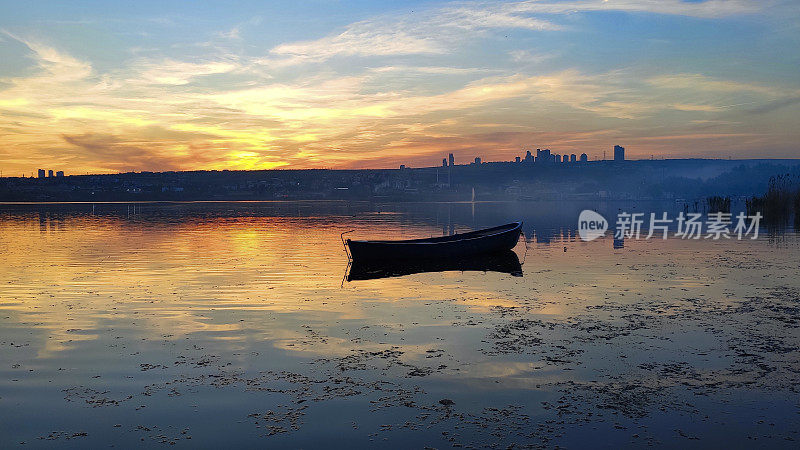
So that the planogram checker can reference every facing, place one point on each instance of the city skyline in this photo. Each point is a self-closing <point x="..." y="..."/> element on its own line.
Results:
<point x="538" y="156"/>
<point x="92" y="87"/>
<point x="541" y="155"/>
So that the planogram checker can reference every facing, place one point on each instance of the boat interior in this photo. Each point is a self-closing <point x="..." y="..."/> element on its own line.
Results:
<point x="458" y="236"/>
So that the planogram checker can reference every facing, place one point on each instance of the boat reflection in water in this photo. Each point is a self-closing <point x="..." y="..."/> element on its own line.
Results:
<point x="504" y="262"/>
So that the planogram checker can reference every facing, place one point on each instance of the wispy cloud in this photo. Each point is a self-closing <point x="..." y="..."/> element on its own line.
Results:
<point x="704" y="9"/>
<point x="700" y="82"/>
<point x="472" y="18"/>
<point x="56" y="66"/>
<point x="528" y="57"/>
<point x="359" y="39"/>
<point x="181" y="72"/>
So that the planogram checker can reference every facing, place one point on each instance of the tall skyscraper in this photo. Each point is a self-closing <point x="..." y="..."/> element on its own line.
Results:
<point x="444" y="162"/>
<point x="477" y="160"/>
<point x="41" y="173"/>
<point x="584" y="157"/>
<point x="50" y="173"/>
<point x="451" y="159"/>
<point x="619" y="153"/>
<point x="60" y="174"/>
<point x="573" y="158"/>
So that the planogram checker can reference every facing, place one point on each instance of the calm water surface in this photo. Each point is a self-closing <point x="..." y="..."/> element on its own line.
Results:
<point x="212" y="324"/>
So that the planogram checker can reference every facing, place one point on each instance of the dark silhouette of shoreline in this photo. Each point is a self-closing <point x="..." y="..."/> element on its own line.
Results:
<point x="601" y="180"/>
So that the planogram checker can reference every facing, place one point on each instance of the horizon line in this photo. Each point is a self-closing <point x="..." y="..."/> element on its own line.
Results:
<point x="404" y="167"/>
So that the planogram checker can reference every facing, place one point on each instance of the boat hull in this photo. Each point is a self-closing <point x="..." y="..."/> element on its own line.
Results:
<point x="491" y="240"/>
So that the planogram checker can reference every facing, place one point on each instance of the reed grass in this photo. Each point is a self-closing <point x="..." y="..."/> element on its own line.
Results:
<point x="780" y="204"/>
<point x="719" y="204"/>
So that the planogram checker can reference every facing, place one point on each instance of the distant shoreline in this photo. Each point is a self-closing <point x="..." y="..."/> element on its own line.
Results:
<point x="642" y="179"/>
<point x="595" y="161"/>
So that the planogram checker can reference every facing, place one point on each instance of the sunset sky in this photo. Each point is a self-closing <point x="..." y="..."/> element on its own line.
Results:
<point x="100" y="86"/>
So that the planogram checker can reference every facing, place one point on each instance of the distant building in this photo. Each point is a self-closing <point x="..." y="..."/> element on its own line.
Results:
<point x="60" y="174"/>
<point x="528" y="157"/>
<point x="41" y="173"/>
<point x="444" y="162"/>
<point x="451" y="159"/>
<point x="477" y="160"/>
<point x="517" y="159"/>
<point x="543" y="155"/>
<point x="50" y="173"/>
<point x="584" y="157"/>
<point x="573" y="157"/>
<point x="402" y="166"/>
<point x="619" y="153"/>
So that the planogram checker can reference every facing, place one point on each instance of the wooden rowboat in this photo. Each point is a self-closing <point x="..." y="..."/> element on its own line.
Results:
<point x="489" y="240"/>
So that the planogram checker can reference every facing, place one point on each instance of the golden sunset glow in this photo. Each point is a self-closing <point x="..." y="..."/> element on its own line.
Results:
<point x="397" y="86"/>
